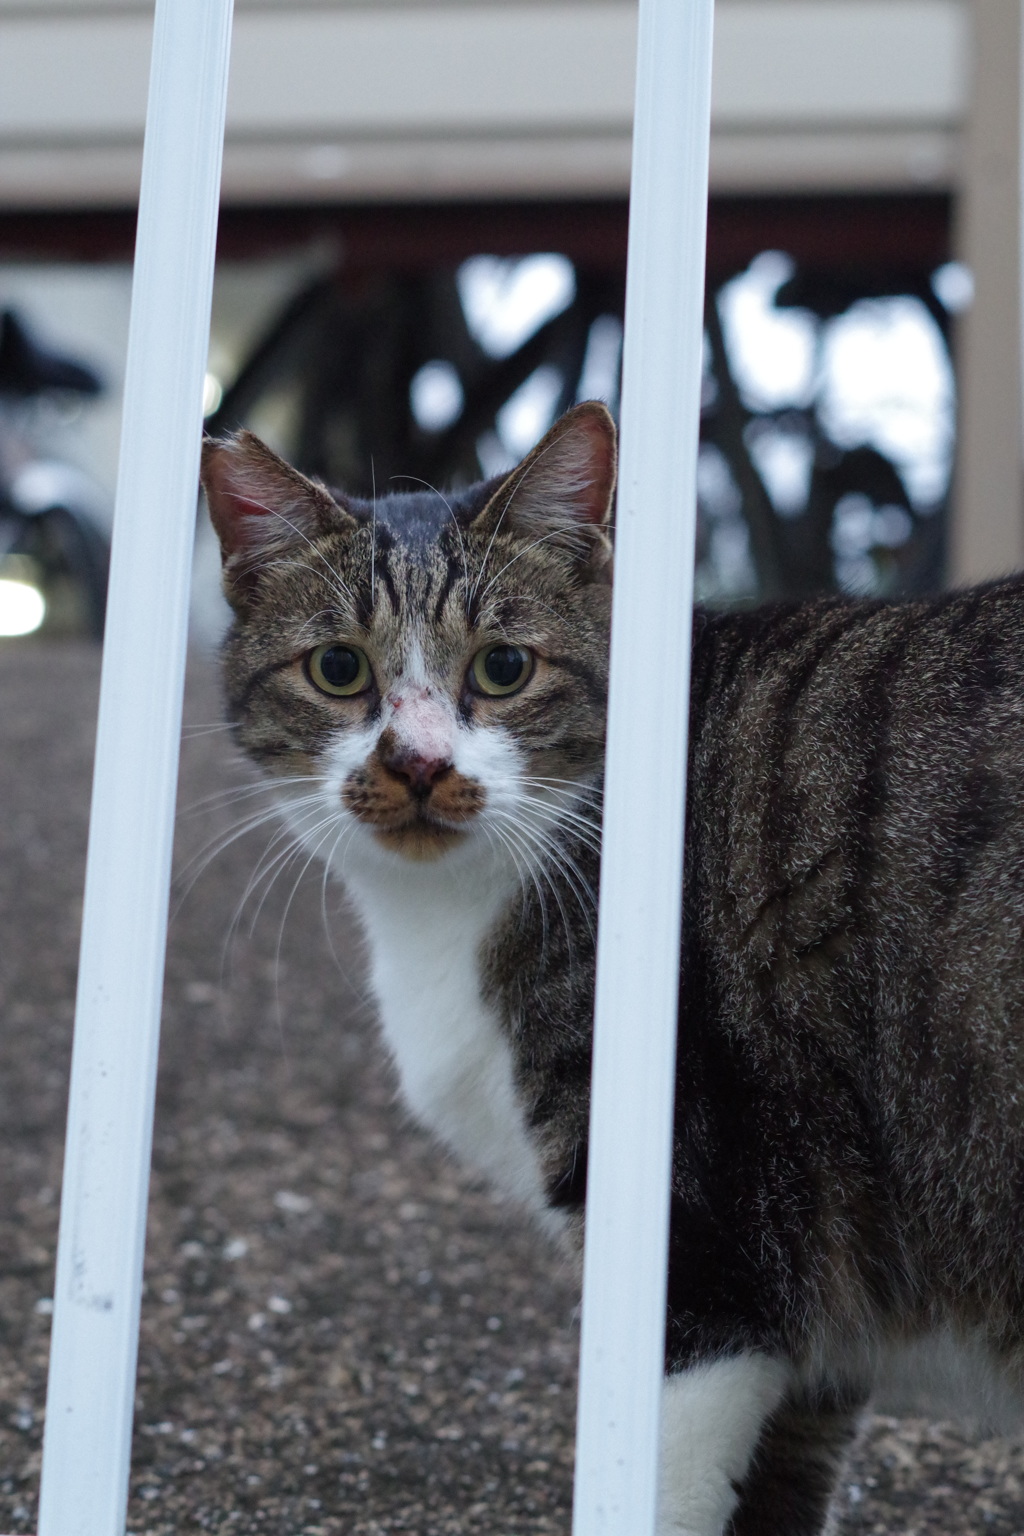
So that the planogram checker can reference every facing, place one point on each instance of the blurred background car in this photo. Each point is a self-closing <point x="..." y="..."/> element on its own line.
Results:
<point x="53" y="547"/>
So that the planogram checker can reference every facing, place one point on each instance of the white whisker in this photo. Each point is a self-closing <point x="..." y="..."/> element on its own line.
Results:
<point x="331" y="823"/>
<point x="201" y="861"/>
<point x="373" y="538"/>
<point x="560" y="816"/>
<point x="293" y="850"/>
<point x="243" y="791"/>
<point x="522" y="860"/>
<point x="345" y="832"/>
<point x="554" y="533"/>
<point x="546" y="852"/>
<point x="265" y="866"/>
<point x="190" y="731"/>
<point x="549" y="849"/>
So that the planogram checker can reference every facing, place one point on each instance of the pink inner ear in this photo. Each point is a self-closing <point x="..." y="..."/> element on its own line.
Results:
<point x="241" y="507"/>
<point x="581" y="466"/>
<point x="240" y="520"/>
<point x="593" y="502"/>
<point x="258" y="503"/>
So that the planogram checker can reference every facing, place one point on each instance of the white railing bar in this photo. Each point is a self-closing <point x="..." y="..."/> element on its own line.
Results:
<point x="624" y="1289"/>
<point x="1020" y="229"/>
<point x="90" y="1400"/>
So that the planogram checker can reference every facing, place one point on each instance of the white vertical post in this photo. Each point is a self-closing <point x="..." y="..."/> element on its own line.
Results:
<point x="986" y="531"/>
<point x="623" y="1327"/>
<point x="1020" y="243"/>
<point x="90" y="1401"/>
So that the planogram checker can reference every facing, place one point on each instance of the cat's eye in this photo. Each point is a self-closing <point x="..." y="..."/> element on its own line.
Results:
<point x="340" y="670"/>
<point x="500" y="669"/>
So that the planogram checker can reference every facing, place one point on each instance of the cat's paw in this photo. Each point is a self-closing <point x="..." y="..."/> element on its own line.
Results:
<point x="711" y="1418"/>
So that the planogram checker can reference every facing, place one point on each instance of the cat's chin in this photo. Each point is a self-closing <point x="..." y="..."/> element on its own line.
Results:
<point x="421" y="842"/>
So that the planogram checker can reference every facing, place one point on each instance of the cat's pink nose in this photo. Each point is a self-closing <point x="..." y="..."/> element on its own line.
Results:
<point x="420" y="772"/>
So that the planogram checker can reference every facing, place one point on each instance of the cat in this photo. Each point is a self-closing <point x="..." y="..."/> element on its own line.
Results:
<point x="425" y="677"/>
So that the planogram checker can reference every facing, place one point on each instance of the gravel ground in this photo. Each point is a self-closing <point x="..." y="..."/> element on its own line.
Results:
<point x="340" y="1333"/>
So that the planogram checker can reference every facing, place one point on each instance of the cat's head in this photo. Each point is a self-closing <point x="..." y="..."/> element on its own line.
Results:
<point x="431" y="670"/>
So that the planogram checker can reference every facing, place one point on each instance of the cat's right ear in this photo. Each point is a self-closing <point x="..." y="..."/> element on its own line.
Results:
<point x="261" y="508"/>
<point x="561" y="495"/>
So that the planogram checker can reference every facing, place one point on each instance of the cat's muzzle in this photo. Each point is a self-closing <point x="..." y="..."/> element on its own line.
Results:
<point x="417" y="805"/>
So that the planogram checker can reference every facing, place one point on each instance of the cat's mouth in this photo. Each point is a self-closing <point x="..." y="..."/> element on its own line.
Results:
<point x="420" y="840"/>
<point x="420" y="821"/>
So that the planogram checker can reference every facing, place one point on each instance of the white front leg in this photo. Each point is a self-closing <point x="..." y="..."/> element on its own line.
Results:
<point x="711" y="1418"/>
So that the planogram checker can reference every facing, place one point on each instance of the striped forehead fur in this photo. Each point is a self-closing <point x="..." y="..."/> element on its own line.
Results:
<point x="417" y="518"/>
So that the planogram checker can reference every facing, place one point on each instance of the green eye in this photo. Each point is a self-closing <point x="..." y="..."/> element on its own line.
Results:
<point x="500" y="669"/>
<point x="339" y="670"/>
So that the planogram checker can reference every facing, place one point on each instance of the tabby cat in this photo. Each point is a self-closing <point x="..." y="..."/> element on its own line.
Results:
<point x="425" y="679"/>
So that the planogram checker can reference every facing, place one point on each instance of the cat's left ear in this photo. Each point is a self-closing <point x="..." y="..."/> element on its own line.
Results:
<point x="261" y="509"/>
<point x="563" y="492"/>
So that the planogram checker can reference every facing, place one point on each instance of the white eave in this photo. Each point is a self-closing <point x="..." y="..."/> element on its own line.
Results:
<point x="413" y="99"/>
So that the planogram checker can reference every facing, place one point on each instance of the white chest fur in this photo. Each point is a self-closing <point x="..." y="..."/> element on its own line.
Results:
<point x="425" y="925"/>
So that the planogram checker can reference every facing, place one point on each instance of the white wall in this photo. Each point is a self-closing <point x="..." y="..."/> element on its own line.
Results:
<point x="443" y="98"/>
